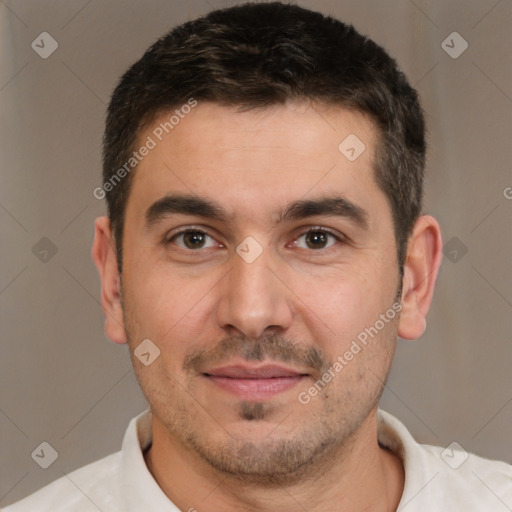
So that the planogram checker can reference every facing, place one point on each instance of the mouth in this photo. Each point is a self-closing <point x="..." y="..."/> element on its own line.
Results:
<point x="254" y="383"/>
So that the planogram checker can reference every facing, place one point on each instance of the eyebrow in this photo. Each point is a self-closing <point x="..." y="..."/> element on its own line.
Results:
<point x="336" y="206"/>
<point x="184" y="204"/>
<point x="331" y="206"/>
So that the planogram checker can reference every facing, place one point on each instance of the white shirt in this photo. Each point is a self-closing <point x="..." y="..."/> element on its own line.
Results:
<point x="436" y="480"/>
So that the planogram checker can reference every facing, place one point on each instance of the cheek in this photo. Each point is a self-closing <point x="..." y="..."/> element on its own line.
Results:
<point x="338" y="305"/>
<point x="166" y="307"/>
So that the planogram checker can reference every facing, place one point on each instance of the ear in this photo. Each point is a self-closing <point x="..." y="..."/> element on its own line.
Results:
<point x="105" y="259"/>
<point x="424" y="254"/>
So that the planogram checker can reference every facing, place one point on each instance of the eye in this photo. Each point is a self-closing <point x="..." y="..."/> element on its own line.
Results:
<point x="193" y="239"/>
<point x="316" y="239"/>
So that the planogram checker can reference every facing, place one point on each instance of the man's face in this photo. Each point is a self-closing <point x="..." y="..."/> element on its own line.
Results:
<point x="252" y="297"/>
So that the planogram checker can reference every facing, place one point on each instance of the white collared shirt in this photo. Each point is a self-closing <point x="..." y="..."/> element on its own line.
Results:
<point x="436" y="480"/>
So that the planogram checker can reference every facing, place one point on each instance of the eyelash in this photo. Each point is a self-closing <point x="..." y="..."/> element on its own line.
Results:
<point x="189" y="229"/>
<point x="313" y="229"/>
<point x="320" y="229"/>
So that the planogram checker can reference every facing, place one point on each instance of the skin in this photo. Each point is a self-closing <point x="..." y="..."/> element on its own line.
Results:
<point x="211" y="449"/>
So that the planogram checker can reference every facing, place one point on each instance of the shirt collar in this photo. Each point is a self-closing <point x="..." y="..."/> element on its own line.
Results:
<point x="140" y="490"/>
<point x="419" y="471"/>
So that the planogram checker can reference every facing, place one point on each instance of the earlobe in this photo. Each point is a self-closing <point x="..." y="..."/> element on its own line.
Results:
<point x="424" y="254"/>
<point x="105" y="258"/>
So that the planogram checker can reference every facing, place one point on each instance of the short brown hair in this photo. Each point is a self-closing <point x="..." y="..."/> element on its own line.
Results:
<point x="263" y="54"/>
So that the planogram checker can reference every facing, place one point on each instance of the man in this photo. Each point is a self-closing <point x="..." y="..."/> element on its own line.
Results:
<point x="263" y="250"/>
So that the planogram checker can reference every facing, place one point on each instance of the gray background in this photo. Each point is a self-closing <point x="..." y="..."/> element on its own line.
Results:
<point x="63" y="382"/>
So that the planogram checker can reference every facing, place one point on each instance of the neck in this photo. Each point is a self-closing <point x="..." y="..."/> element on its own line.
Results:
<point x="360" y="477"/>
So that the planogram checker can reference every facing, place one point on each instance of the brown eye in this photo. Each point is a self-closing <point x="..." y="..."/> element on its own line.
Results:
<point x="193" y="239"/>
<point x="316" y="239"/>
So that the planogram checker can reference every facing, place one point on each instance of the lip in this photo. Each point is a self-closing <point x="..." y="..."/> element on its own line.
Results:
<point x="254" y="383"/>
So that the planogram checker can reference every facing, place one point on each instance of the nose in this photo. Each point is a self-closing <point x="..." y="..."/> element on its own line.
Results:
<point x="253" y="300"/>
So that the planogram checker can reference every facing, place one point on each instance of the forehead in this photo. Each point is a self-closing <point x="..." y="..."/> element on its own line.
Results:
<point x="258" y="159"/>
